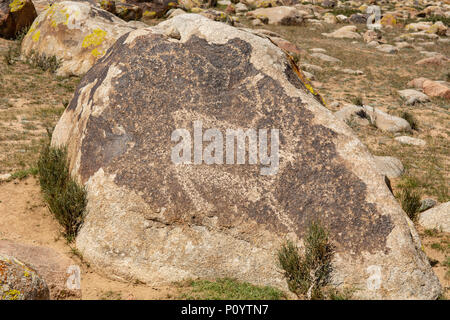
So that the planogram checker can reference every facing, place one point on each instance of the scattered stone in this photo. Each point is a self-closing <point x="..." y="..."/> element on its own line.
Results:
<point x="128" y="11"/>
<point x="389" y="166"/>
<point x="317" y="50"/>
<point x="371" y="35"/>
<point x="330" y="18"/>
<point x="365" y="115"/>
<point x="418" y="26"/>
<point x="388" y="20"/>
<point x="410" y="141"/>
<point x="5" y="177"/>
<point x="257" y="22"/>
<point x="50" y="265"/>
<point x="175" y="12"/>
<point x="240" y="8"/>
<point x="341" y="18"/>
<point x="358" y="18"/>
<point x="436" y="218"/>
<point x="288" y="16"/>
<point x="435" y="60"/>
<point x="15" y="16"/>
<point x="436" y="89"/>
<point x="325" y="57"/>
<point x="171" y="222"/>
<point x="350" y="71"/>
<point x="387" y="48"/>
<point x="438" y="28"/>
<point x="347" y="32"/>
<point x="413" y="96"/>
<point x="417" y="83"/>
<point x="311" y="67"/>
<point x="426" y="204"/>
<point x="19" y="281"/>
<point x="403" y="45"/>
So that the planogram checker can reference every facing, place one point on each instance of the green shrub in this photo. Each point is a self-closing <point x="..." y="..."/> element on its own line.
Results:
<point x="309" y="273"/>
<point x="411" y="120"/>
<point x="357" y="101"/>
<point x="66" y="199"/>
<point x="410" y="201"/>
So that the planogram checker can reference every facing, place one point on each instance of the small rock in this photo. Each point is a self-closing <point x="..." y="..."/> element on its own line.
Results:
<point x="435" y="60"/>
<point x="426" y="204"/>
<point x="347" y="32"/>
<point x="437" y="217"/>
<point x="240" y="7"/>
<point x="5" y="177"/>
<point x="387" y="48"/>
<point x="436" y="89"/>
<point x="325" y="57"/>
<point x="410" y="141"/>
<point x="413" y="96"/>
<point x="358" y="18"/>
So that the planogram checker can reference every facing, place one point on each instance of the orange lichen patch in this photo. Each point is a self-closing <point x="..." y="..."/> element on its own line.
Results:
<point x="305" y="80"/>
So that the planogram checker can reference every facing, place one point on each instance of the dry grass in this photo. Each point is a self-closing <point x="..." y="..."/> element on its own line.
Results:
<point x="31" y="100"/>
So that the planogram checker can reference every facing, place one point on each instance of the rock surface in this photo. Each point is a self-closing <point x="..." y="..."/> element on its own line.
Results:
<point x="50" y="265"/>
<point x="411" y="141"/>
<point x="389" y="166"/>
<point x="76" y="33"/>
<point x="412" y="96"/>
<point x="19" y="281"/>
<point x="153" y="220"/>
<point x="347" y="32"/>
<point x="283" y="15"/>
<point x="437" y="217"/>
<point x="15" y="16"/>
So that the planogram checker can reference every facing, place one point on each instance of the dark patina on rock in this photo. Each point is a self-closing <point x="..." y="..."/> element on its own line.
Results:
<point x="158" y="221"/>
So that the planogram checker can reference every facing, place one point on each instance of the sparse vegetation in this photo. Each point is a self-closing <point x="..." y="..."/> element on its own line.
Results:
<point x="357" y="101"/>
<point x="45" y="63"/>
<point x="410" y="201"/>
<point x="22" y="174"/>
<point x="308" y="274"/>
<point x="411" y="120"/>
<point x="227" y="289"/>
<point x="66" y="199"/>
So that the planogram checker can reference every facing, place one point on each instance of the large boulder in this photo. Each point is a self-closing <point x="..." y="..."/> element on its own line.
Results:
<point x="15" y="16"/>
<point x="19" y="281"/>
<point x="53" y="268"/>
<point x="154" y="215"/>
<point x="76" y="33"/>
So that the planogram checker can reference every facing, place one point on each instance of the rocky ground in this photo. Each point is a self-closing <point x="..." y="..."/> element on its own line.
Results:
<point x="350" y="66"/>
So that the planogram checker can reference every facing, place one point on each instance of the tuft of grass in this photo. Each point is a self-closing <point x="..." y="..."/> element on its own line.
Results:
<point x="346" y="11"/>
<point x="229" y="289"/>
<point x="410" y="201"/>
<point x="357" y="101"/>
<point x="411" y="120"/>
<point x="43" y="62"/>
<point x="309" y="273"/>
<point x="66" y="199"/>
<point x="22" y="174"/>
<point x="111" y="295"/>
<point x="345" y="294"/>
<point x="434" y="19"/>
